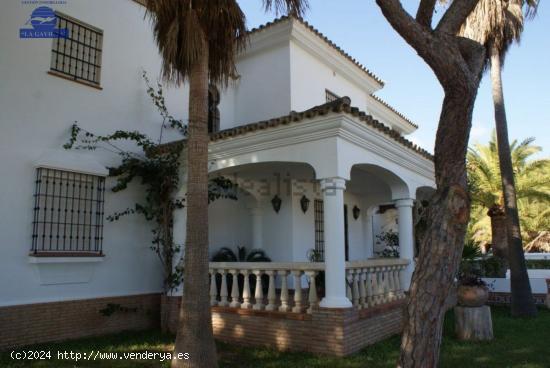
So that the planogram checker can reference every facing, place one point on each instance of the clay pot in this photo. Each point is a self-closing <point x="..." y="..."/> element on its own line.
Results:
<point x="472" y="296"/>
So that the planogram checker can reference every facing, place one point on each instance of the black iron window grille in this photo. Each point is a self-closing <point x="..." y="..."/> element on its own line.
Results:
<point x="329" y="96"/>
<point x="79" y="55"/>
<point x="68" y="212"/>
<point x="319" y="228"/>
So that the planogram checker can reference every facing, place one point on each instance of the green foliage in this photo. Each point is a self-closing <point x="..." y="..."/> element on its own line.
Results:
<point x="227" y="255"/>
<point x="314" y="255"/>
<point x="532" y="179"/>
<point x="390" y="239"/>
<point x="471" y="250"/>
<point x="158" y="171"/>
<point x="538" y="264"/>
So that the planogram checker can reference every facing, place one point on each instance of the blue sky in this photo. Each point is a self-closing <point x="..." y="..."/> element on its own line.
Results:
<point x="360" y="29"/>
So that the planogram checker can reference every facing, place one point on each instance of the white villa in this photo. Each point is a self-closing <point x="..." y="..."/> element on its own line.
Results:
<point x="321" y="162"/>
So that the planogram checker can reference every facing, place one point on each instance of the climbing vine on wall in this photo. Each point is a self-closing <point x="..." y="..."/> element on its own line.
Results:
<point x="157" y="168"/>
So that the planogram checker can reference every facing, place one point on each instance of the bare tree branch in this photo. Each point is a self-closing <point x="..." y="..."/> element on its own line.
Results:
<point x="404" y="23"/>
<point x="425" y="13"/>
<point x="455" y="16"/>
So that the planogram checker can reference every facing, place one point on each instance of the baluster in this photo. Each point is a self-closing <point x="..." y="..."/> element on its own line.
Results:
<point x="235" y="303"/>
<point x="355" y="286"/>
<point x="271" y="296"/>
<point x="349" y="280"/>
<point x="379" y="286"/>
<point x="259" y="293"/>
<point x="246" y="290"/>
<point x="392" y="294"/>
<point x="284" y="291"/>
<point x="362" y="291"/>
<point x="297" y="291"/>
<point x="370" y="296"/>
<point x="213" y="289"/>
<point x="223" y="292"/>
<point x="384" y="284"/>
<point x="313" y="299"/>
<point x="398" y="286"/>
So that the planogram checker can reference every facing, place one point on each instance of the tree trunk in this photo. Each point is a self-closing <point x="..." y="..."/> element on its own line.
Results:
<point x="195" y="335"/>
<point x="499" y="238"/>
<point x="523" y="304"/>
<point x="442" y="245"/>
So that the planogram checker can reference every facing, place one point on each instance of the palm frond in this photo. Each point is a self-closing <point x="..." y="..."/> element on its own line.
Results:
<point x="183" y="28"/>
<point x="292" y="7"/>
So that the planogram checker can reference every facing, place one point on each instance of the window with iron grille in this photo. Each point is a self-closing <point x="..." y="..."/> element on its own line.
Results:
<point x="68" y="212"/>
<point x="319" y="228"/>
<point x="78" y="56"/>
<point x="329" y="96"/>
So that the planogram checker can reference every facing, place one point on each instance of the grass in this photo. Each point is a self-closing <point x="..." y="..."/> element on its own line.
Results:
<point x="518" y="343"/>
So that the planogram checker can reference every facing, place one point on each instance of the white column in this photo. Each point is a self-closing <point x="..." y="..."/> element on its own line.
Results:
<point x="335" y="254"/>
<point x="257" y="232"/>
<point x="406" y="238"/>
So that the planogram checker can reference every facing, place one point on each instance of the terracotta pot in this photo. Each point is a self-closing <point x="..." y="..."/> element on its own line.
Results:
<point x="472" y="296"/>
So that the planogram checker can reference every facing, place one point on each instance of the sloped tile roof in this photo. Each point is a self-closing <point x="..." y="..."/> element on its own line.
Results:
<point x="323" y="37"/>
<point x="341" y="105"/>
<point x="394" y="110"/>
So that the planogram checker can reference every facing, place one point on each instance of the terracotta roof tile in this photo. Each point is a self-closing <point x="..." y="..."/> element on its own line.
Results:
<point x="394" y="110"/>
<point x="323" y="37"/>
<point x="341" y="105"/>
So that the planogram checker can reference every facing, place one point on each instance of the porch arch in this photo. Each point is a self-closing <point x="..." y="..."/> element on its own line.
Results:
<point x="398" y="186"/>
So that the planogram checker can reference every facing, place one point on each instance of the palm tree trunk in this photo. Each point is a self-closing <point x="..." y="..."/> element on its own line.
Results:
<point x="195" y="335"/>
<point x="441" y="247"/>
<point x="523" y="303"/>
<point x="499" y="238"/>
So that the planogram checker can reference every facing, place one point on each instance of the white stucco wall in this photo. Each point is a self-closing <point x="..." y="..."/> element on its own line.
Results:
<point x="310" y="76"/>
<point x="229" y="225"/>
<point x="263" y="90"/>
<point x="36" y="111"/>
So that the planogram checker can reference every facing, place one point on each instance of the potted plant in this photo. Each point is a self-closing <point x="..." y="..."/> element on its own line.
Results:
<point x="472" y="291"/>
<point x="390" y="239"/>
<point x="315" y="255"/>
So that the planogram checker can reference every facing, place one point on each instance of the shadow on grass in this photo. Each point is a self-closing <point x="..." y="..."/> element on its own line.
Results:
<point x="519" y="343"/>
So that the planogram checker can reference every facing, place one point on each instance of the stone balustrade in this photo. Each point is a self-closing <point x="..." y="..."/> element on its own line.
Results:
<point x="292" y="287"/>
<point x="374" y="282"/>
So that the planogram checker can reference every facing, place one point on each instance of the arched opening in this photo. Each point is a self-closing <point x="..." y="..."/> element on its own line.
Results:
<point x="376" y="189"/>
<point x="285" y="231"/>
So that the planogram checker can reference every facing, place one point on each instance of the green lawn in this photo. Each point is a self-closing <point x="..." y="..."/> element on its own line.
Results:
<point x="518" y="343"/>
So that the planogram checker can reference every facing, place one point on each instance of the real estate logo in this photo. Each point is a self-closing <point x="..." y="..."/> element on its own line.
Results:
<point x="43" y="22"/>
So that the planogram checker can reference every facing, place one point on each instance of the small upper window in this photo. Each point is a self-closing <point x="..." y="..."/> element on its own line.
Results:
<point x="330" y="96"/>
<point x="77" y="57"/>
<point x="68" y="213"/>
<point x="213" y="111"/>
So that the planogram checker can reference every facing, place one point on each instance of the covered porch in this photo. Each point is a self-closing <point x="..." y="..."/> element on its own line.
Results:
<point x="327" y="183"/>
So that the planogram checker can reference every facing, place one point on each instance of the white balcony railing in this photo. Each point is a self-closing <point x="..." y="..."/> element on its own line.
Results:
<point x="292" y="287"/>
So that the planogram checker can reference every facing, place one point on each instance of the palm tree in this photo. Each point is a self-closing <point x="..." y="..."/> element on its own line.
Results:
<point x="198" y="42"/>
<point x="496" y="24"/>
<point x="532" y="189"/>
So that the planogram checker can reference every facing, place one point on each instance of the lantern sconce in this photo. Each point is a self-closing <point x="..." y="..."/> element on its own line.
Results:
<point x="356" y="212"/>
<point x="276" y="202"/>
<point x="304" y="203"/>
